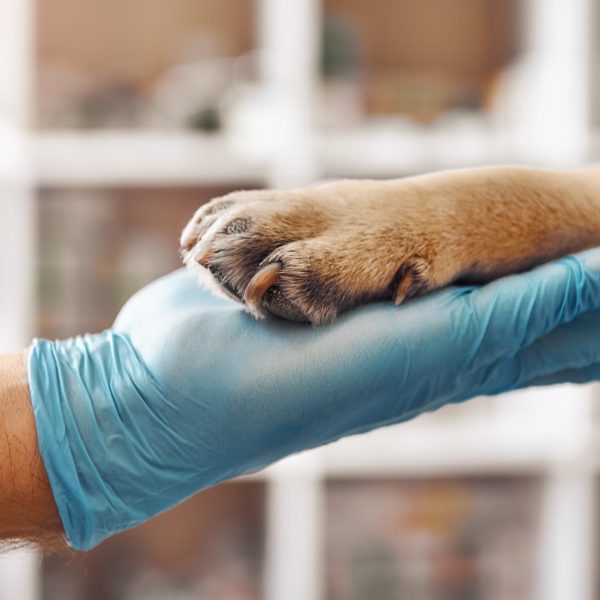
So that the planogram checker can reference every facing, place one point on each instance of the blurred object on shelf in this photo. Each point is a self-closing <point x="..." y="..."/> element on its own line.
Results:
<point x="340" y="95"/>
<point x="423" y="95"/>
<point x="72" y="99"/>
<point x="194" y="94"/>
<point x="442" y="539"/>
<point x="97" y="247"/>
<point x="211" y="547"/>
<point x="115" y="64"/>
<point x="419" y="59"/>
<point x="186" y="63"/>
<point x="340" y="48"/>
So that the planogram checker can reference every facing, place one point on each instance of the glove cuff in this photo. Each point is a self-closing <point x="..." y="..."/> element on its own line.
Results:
<point x="73" y="384"/>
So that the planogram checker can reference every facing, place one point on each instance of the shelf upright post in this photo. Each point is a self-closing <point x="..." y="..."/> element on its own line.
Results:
<point x="289" y="42"/>
<point x="555" y="118"/>
<point x="566" y="546"/>
<point x="16" y="204"/>
<point x="294" y="565"/>
<point x="19" y="570"/>
<point x="556" y="124"/>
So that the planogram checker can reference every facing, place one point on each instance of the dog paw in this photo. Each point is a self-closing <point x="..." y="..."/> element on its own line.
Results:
<point x="308" y="254"/>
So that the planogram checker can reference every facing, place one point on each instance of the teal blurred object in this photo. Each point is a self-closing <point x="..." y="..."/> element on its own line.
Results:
<point x="186" y="390"/>
<point x="341" y="54"/>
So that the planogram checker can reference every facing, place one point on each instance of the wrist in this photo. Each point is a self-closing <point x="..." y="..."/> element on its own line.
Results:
<point x="27" y="508"/>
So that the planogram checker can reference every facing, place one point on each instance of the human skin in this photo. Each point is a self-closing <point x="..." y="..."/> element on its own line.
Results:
<point x="27" y="509"/>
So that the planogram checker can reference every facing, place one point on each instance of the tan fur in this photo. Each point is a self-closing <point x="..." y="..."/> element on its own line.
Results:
<point x="349" y="242"/>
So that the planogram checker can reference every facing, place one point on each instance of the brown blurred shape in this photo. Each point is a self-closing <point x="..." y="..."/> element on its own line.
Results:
<point x="420" y="57"/>
<point x="135" y="39"/>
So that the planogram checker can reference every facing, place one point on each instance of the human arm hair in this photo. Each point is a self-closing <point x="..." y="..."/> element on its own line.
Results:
<point x="28" y="512"/>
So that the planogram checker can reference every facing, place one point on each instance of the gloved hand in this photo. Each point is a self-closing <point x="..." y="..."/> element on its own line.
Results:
<point x="186" y="390"/>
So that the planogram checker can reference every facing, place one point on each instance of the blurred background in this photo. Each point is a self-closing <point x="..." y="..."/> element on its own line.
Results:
<point x="119" y="117"/>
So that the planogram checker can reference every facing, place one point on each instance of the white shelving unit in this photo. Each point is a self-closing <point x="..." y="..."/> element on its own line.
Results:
<point x="546" y="433"/>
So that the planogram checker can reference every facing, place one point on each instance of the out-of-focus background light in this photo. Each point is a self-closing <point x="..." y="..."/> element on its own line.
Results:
<point x="118" y="118"/>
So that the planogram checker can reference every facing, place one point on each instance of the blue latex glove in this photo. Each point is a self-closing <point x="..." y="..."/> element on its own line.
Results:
<point x="186" y="390"/>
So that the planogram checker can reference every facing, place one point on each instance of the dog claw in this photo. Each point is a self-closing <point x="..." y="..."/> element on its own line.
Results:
<point x="260" y="283"/>
<point x="188" y="244"/>
<point x="403" y="288"/>
<point x="203" y="253"/>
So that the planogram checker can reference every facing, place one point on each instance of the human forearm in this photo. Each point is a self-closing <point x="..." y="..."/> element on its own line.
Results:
<point x="27" y="509"/>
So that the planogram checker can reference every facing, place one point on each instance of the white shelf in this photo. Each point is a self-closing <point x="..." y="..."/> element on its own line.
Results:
<point x="112" y="158"/>
<point x="459" y="450"/>
<point x="375" y="149"/>
<point x="389" y="147"/>
<point x="382" y="149"/>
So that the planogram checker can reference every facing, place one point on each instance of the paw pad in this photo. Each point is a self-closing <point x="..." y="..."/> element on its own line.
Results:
<point x="237" y="226"/>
